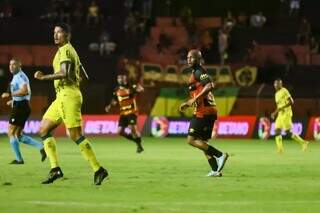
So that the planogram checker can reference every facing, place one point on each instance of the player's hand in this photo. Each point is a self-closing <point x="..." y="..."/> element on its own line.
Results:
<point x="183" y="107"/>
<point x="9" y="103"/>
<point x="274" y="114"/>
<point x="5" y="95"/>
<point x="139" y="88"/>
<point x="107" y="108"/>
<point x="38" y="75"/>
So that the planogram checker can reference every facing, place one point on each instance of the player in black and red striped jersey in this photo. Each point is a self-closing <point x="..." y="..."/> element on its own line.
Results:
<point x="205" y="113"/>
<point x="125" y="95"/>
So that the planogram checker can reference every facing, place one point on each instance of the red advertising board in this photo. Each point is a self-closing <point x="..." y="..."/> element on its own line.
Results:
<point x="313" y="131"/>
<point x="234" y="127"/>
<point x="92" y="125"/>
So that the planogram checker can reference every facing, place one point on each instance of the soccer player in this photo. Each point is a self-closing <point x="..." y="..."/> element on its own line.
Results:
<point x="125" y="95"/>
<point x="66" y="107"/>
<point x="283" y="114"/>
<point x="205" y="113"/>
<point x="20" y="93"/>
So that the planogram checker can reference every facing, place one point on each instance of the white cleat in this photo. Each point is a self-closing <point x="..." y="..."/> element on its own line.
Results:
<point x="214" y="174"/>
<point x="221" y="161"/>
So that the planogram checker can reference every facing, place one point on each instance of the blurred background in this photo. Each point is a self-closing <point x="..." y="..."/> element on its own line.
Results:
<point x="245" y="44"/>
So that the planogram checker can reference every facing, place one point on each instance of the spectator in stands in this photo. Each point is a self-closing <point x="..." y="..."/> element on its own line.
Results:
<point x="93" y="16"/>
<point x="147" y="8"/>
<point x="294" y="7"/>
<point x="164" y="43"/>
<point x="242" y="20"/>
<point x="185" y="15"/>
<point x="128" y="4"/>
<point x="51" y="13"/>
<point x="78" y="12"/>
<point x="130" y="24"/>
<point x="304" y="32"/>
<point x="65" y="11"/>
<point x="229" y="22"/>
<point x="257" y="20"/>
<point x="314" y="45"/>
<point x="6" y="10"/>
<point x="223" y="45"/>
<point x="105" y="45"/>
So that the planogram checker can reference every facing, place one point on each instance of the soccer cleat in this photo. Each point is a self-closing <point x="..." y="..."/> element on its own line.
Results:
<point x="140" y="149"/>
<point x="214" y="174"/>
<point x="221" y="161"/>
<point x="100" y="175"/>
<point x="43" y="154"/>
<point x="54" y="174"/>
<point x="304" y="146"/>
<point x="17" y="162"/>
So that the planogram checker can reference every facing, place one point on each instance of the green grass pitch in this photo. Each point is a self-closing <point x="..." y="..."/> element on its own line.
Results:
<point x="168" y="177"/>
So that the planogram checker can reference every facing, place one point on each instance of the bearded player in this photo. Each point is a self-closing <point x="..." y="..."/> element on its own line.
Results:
<point x="205" y="113"/>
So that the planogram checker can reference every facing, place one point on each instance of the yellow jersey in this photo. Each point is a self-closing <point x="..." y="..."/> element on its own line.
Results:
<point x="67" y="53"/>
<point x="282" y="97"/>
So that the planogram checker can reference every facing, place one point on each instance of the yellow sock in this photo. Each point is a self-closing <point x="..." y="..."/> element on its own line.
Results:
<point x="303" y="143"/>
<point x="51" y="150"/>
<point x="298" y="139"/>
<point x="88" y="153"/>
<point x="279" y="143"/>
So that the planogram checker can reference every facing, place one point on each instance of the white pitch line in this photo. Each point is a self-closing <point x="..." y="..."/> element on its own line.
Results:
<point x="209" y="203"/>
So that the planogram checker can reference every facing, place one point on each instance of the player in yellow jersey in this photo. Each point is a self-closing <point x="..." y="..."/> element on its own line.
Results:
<point x="66" y="107"/>
<point x="283" y="114"/>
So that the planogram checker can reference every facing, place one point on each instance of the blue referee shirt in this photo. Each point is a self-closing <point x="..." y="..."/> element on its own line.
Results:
<point x="18" y="80"/>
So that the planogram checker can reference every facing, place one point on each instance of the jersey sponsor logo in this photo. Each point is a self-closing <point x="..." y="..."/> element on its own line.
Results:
<point x="203" y="76"/>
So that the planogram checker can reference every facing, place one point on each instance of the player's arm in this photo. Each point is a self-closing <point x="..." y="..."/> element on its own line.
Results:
<point x="23" y="91"/>
<point x="7" y="93"/>
<point x="290" y="102"/>
<point x="139" y="88"/>
<point x="63" y="73"/>
<point x="208" y="85"/>
<point x="112" y="103"/>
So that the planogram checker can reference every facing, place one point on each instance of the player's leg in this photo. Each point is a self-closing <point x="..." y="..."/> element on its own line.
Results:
<point x="51" y="119"/>
<point x="199" y="133"/>
<point x="14" y="144"/>
<point x="287" y="126"/>
<point x="298" y="139"/>
<point x="123" y="123"/>
<point x="87" y="151"/>
<point x="30" y="141"/>
<point x="278" y="136"/>
<point x="137" y="137"/>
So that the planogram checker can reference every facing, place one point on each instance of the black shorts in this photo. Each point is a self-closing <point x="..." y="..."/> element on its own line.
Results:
<point x="20" y="113"/>
<point x="202" y="127"/>
<point x="126" y="120"/>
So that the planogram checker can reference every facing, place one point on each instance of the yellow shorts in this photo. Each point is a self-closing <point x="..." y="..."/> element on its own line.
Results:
<point x="283" y="121"/>
<point x="66" y="108"/>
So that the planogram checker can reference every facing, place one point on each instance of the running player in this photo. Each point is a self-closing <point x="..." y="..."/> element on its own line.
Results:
<point x="67" y="106"/>
<point x="205" y="113"/>
<point x="125" y="95"/>
<point x="283" y="114"/>
<point x="20" y="93"/>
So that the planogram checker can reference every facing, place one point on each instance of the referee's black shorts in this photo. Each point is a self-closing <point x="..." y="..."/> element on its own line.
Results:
<point x="201" y="128"/>
<point x="20" y="113"/>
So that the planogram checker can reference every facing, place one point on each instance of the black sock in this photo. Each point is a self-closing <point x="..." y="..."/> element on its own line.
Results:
<point x="213" y="164"/>
<point x="138" y="140"/>
<point x="129" y="137"/>
<point x="211" y="151"/>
